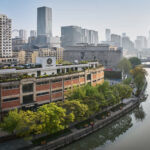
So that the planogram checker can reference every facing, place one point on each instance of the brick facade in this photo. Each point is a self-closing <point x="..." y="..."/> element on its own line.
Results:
<point x="51" y="89"/>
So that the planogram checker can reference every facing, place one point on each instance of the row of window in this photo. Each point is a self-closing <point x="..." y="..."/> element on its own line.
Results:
<point x="41" y="94"/>
<point x="11" y="87"/>
<point x="58" y="80"/>
<point x="42" y="83"/>
<point x="56" y="91"/>
<point x="10" y="99"/>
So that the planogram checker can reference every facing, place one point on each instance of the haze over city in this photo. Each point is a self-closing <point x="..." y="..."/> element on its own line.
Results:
<point x="130" y="16"/>
<point x="72" y="70"/>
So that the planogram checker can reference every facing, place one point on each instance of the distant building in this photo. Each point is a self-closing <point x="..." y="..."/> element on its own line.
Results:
<point x="32" y="33"/>
<point x="127" y="43"/>
<point x="116" y="39"/>
<point x="141" y="42"/>
<point x="108" y="56"/>
<point x="148" y="42"/>
<point x="45" y="52"/>
<point x="32" y="40"/>
<point x="55" y="41"/>
<point x="54" y="51"/>
<point x="74" y="35"/>
<point x="23" y="35"/>
<point x="108" y="34"/>
<point x="20" y="55"/>
<point x="18" y="44"/>
<point x="5" y="37"/>
<point x="44" y="21"/>
<point x="6" y="41"/>
<point x="30" y="57"/>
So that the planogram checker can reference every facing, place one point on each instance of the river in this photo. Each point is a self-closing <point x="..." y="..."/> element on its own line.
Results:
<point x="131" y="132"/>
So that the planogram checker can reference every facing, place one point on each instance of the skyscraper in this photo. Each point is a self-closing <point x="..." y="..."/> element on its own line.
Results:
<point x="116" y="39"/>
<point x="23" y="34"/>
<point x="32" y="33"/>
<point x="44" y="21"/>
<point x="74" y="35"/>
<point x="108" y="34"/>
<point x="141" y="42"/>
<point x="5" y="37"/>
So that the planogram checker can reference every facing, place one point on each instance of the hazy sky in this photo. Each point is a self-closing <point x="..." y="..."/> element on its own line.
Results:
<point x="130" y="16"/>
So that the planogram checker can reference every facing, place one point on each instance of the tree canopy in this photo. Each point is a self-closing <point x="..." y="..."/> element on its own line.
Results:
<point x="135" y="61"/>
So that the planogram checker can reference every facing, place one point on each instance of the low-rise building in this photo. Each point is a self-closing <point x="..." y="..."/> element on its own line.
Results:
<point x="46" y="85"/>
<point x="107" y="55"/>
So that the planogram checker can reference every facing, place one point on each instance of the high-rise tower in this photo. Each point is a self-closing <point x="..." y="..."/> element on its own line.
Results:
<point x="5" y="37"/>
<point x="44" y="21"/>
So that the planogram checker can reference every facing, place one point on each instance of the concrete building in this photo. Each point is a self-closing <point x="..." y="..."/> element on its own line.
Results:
<point x="34" y="91"/>
<point x="74" y="35"/>
<point x="106" y="55"/>
<point x="32" y="33"/>
<point x="30" y="57"/>
<point x="141" y="42"/>
<point x="127" y="43"/>
<point x="108" y="34"/>
<point x="55" y="41"/>
<point x="44" y="21"/>
<point x="23" y="35"/>
<point x="148" y="41"/>
<point x="19" y="44"/>
<point x="116" y="39"/>
<point x="20" y="55"/>
<point x="54" y="51"/>
<point x="5" y="37"/>
<point x="45" y="52"/>
<point x="59" y="53"/>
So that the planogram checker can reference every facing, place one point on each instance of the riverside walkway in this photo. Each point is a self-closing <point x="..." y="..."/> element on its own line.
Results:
<point x="76" y="133"/>
<point x="80" y="133"/>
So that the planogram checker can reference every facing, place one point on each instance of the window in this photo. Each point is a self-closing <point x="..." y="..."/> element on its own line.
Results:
<point x="41" y="94"/>
<point x="75" y="77"/>
<point x="28" y="99"/>
<point x="11" y="87"/>
<point x="43" y="82"/>
<point x="67" y="79"/>
<point x="89" y="77"/>
<point x="82" y="76"/>
<point x="58" y="80"/>
<point x="56" y="91"/>
<point x="10" y="99"/>
<point x="27" y="88"/>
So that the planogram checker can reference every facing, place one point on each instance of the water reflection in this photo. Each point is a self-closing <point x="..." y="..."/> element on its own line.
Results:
<point x="108" y="133"/>
<point x="103" y="137"/>
<point x="139" y="114"/>
<point x="130" y="132"/>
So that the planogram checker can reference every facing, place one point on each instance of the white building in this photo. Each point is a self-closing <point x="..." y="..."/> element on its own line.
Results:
<point x="23" y="35"/>
<point x="32" y="33"/>
<point x="108" y="34"/>
<point x="5" y="37"/>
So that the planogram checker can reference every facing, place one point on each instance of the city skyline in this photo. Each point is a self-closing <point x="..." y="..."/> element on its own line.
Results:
<point x="97" y="15"/>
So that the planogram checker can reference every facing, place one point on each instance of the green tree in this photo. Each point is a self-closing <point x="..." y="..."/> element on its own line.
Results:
<point x="135" y="61"/>
<point x="51" y="118"/>
<point x="127" y="81"/>
<point x="21" y="123"/>
<point x="139" y="74"/>
<point x="124" y="66"/>
<point x="11" y="122"/>
<point x="124" y="91"/>
<point x="79" y="110"/>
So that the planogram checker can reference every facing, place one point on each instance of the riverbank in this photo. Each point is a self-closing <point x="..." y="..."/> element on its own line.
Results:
<point x="78" y="134"/>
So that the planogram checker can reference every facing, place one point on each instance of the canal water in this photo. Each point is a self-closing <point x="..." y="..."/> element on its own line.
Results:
<point x="131" y="132"/>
